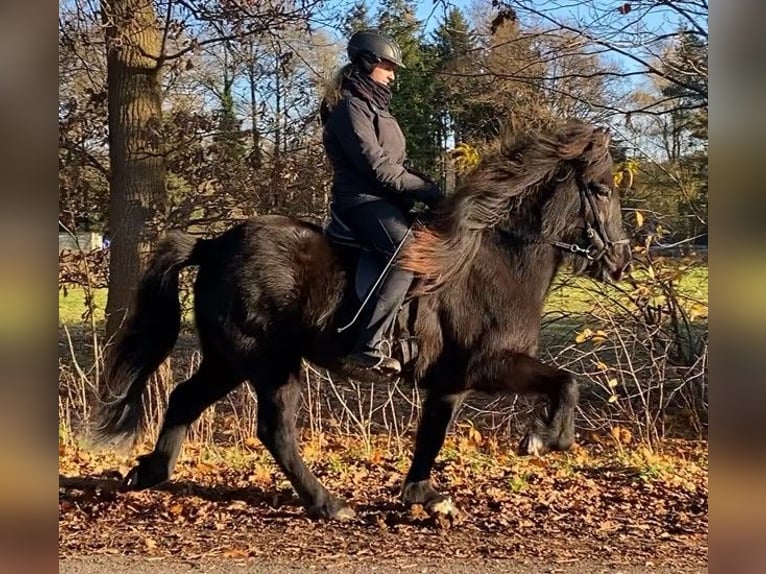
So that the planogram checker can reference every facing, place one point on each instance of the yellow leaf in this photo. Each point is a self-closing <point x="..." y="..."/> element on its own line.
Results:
<point x="698" y="311"/>
<point x="621" y="435"/>
<point x="583" y="336"/>
<point x="602" y="366"/>
<point x="474" y="436"/>
<point x="639" y="219"/>
<point x="612" y="384"/>
<point x="464" y="157"/>
<point x="176" y="509"/>
<point x="599" y="337"/>
<point x="613" y="399"/>
<point x="251" y="442"/>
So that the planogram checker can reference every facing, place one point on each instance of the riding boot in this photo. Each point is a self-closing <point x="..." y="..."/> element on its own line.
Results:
<point x="368" y="351"/>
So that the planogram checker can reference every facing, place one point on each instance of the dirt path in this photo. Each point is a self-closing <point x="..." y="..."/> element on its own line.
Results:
<point x="577" y="513"/>
<point x="339" y="565"/>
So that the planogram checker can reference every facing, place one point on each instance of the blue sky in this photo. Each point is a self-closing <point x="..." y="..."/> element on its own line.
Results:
<point x="431" y="14"/>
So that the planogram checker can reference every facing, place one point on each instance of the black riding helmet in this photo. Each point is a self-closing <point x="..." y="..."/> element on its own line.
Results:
<point x="371" y="46"/>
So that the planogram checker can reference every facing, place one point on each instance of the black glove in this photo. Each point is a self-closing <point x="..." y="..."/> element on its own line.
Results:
<point x="431" y="195"/>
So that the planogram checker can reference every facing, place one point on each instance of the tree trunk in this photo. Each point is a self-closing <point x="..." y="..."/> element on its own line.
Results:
<point x="255" y="154"/>
<point x="137" y="186"/>
<point x="276" y="164"/>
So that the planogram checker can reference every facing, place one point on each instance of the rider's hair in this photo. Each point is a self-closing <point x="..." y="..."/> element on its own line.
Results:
<point x="332" y="88"/>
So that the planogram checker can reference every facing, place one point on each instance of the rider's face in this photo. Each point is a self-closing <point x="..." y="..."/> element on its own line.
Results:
<point x="384" y="72"/>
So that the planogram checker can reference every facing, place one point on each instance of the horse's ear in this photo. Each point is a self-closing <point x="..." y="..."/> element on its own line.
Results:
<point x="602" y="136"/>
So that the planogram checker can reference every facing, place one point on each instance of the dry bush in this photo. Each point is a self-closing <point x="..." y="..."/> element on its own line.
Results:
<point x="638" y="351"/>
<point x="640" y="354"/>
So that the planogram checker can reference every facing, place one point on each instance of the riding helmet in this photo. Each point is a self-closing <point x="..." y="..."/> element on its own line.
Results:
<point x="371" y="46"/>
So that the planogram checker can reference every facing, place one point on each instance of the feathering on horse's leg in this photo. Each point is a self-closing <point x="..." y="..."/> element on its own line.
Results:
<point x="277" y="405"/>
<point x="438" y="413"/>
<point x="187" y="402"/>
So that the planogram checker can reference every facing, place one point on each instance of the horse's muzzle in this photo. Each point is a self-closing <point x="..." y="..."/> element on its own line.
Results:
<point x="612" y="265"/>
<point x="617" y="261"/>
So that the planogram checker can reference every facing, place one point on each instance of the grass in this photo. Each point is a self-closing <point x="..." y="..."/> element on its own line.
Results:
<point x="694" y="283"/>
<point x="72" y="305"/>
<point x="570" y="294"/>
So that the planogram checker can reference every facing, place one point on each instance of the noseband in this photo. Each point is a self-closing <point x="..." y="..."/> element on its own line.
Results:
<point x="598" y="240"/>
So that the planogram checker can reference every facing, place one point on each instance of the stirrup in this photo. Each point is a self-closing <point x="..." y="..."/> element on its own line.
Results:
<point x="387" y="362"/>
<point x="375" y="361"/>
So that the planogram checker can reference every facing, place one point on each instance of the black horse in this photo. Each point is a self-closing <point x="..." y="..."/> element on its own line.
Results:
<point x="273" y="291"/>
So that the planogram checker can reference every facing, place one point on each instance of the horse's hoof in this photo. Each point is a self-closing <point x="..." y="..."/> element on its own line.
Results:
<point x="335" y="509"/>
<point x="443" y="506"/>
<point x="422" y="496"/>
<point x="440" y="512"/>
<point x="146" y="474"/>
<point x="344" y="514"/>
<point x="533" y="445"/>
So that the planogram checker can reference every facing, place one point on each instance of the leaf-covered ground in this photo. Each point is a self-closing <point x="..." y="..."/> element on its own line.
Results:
<point x="603" y="500"/>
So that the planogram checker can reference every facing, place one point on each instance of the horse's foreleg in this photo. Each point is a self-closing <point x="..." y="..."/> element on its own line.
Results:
<point x="522" y="374"/>
<point x="438" y="412"/>
<point x="186" y="403"/>
<point x="277" y="404"/>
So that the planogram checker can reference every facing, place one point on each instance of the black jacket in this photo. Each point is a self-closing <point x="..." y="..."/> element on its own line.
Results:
<point x="366" y="148"/>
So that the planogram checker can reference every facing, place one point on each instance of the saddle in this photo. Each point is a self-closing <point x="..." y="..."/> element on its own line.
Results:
<point x="368" y="275"/>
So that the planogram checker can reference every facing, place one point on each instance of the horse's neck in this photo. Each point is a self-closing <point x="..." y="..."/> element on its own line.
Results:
<point x="530" y="267"/>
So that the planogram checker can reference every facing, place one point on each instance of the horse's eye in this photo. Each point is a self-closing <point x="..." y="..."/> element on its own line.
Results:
<point x="602" y="190"/>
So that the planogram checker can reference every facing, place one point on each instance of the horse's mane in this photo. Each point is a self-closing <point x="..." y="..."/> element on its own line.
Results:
<point x="522" y="165"/>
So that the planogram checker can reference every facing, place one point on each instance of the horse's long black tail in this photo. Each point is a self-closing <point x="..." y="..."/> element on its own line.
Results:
<point x="145" y="340"/>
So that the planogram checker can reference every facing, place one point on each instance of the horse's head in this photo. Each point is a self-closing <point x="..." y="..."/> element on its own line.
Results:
<point x="554" y="187"/>
<point x="588" y="215"/>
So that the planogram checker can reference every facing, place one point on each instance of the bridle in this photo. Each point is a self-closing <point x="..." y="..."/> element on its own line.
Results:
<point x="598" y="240"/>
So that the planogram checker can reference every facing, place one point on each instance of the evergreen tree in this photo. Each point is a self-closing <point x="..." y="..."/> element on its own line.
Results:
<point x="686" y="69"/>
<point x="413" y="103"/>
<point x="229" y="140"/>
<point x="358" y="18"/>
<point x="453" y="46"/>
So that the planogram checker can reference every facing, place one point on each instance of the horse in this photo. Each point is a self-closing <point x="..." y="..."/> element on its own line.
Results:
<point x="272" y="292"/>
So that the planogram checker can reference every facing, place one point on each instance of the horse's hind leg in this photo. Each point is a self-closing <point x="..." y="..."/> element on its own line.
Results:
<point x="438" y="412"/>
<point x="211" y="382"/>
<point x="522" y="374"/>
<point x="277" y="405"/>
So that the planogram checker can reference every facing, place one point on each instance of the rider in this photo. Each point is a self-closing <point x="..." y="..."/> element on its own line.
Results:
<point x="372" y="190"/>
